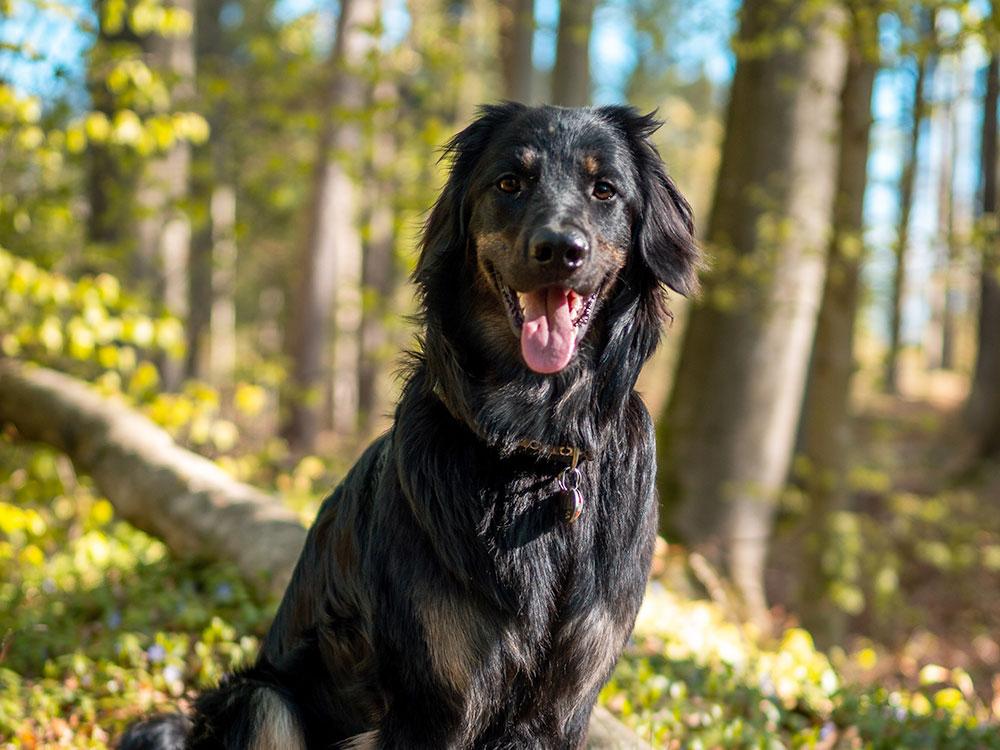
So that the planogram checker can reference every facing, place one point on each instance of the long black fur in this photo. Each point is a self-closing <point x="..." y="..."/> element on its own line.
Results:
<point x="440" y="601"/>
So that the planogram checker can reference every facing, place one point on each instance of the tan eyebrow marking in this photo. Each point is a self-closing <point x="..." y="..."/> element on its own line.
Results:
<point x="528" y="158"/>
<point x="590" y="165"/>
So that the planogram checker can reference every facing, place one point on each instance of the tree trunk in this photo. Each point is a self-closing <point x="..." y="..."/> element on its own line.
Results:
<point x="907" y="182"/>
<point x="222" y="339"/>
<point x="946" y="224"/>
<point x="379" y="272"/>
<point x="190" y="503"/>
<point x="329" y="288"/>
<point x="825" y="435"/>
<point x="517" y="30"/>
<point x="110" y="176"/>
<point x="727" y="435"/>
<point x="984" y="401"/>
<point x="164" y="231"/>
<point x="199" y="315"/>
<point x="212" y="315"/>
<point x="571" y="74"/>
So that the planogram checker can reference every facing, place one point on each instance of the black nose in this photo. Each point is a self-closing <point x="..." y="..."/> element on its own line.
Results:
<point x="558" y="248"/>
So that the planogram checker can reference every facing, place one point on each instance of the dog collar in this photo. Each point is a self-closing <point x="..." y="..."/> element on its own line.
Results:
<point x="569" y="499"/>
<point x="568" y="453"/>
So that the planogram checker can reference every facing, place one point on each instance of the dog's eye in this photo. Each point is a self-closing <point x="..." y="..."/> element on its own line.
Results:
<point x="509" y="184"/>
<point x="603" y="190"/>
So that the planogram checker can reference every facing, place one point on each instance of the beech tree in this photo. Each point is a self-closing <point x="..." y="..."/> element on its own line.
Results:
<point x="328" y="294"/>
<point x="825" y="432"/>
<point x="380" y="272"/>
<point x="163" y="227"/>
<point x="924" y="61"/>
<point x="571" y="74"/>
<point x="517" y="29"/>
<point x="726" y="437"/>
<point x="984" y="400"/>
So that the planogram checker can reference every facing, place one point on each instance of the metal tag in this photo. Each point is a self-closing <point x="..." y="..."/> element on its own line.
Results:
<point x="569" y="497"/>
<point x="570" y="504"/>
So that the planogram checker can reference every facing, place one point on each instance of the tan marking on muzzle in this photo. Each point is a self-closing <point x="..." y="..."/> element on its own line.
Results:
<point x="610" y="257"/>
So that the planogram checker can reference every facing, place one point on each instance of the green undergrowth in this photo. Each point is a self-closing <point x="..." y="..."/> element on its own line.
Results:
<point x="99" y="624"/>
<point x="691" y="679"/>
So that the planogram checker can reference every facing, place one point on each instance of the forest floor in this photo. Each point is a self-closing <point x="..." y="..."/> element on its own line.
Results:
<point x="938" y="522"/>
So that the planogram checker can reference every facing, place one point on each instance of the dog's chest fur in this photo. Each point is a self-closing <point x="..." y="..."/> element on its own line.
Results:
<point x="511" y="583"/>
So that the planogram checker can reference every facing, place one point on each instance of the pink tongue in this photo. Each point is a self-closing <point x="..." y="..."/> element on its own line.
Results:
<point x="548" y="337"/>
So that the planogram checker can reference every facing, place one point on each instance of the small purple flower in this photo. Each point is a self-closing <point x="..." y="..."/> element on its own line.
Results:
<point x="156" y="653"/>
<point x="49" y="586"/>
<point x="171" y="673"/>
<point x="114" y="619"/>
<point x="223" y="592"/>
<point x="826" y="730"/>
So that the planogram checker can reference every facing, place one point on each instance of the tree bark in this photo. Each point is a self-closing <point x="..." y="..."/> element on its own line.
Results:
<point x="222" y="328"/>
<point x="329" y="288"/>
<point x="726" y="438"/>
<point x="907" y="183"/>
<point x="571" y="74"/>
<point x="190" y="503"/>
<point x="983" y="410"/>
<point x="517" y="30"/>
<point x="825" y="435"/>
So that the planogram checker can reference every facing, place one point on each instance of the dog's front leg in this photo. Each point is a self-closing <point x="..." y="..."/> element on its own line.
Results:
<point x="430" y="644"/>
<point x="421" y="711"/>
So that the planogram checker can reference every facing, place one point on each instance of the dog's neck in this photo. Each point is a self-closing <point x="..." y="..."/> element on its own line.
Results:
<point x="511" y="408"/>
<point x="570" y="454"/>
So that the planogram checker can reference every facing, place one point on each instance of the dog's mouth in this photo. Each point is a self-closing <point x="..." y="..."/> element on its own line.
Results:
<point x="550" y="322"/>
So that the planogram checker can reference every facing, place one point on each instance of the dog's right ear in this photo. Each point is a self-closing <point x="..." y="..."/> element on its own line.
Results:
<point x="445" y="234"/>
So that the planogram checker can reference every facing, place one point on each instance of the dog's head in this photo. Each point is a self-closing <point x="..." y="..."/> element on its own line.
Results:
<point x="554" y="211"/>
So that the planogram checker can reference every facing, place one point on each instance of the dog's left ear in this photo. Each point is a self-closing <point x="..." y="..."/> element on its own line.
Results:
<point x="663" y="225"/>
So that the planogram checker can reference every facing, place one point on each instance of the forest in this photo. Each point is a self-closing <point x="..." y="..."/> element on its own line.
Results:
<point x="209" y="213"/>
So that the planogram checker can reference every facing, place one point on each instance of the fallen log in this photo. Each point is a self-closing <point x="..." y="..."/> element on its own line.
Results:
<point x="195" y="507"/>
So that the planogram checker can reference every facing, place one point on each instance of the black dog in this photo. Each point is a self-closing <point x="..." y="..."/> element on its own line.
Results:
<point x="474" y="578"/>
